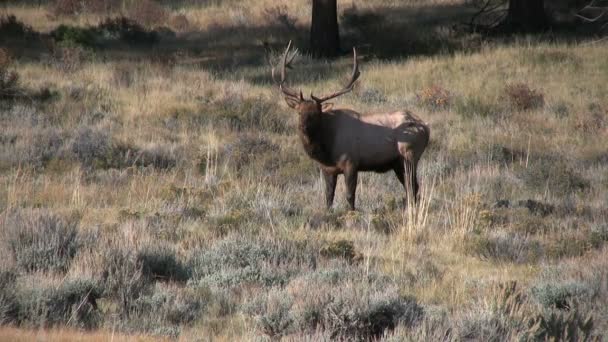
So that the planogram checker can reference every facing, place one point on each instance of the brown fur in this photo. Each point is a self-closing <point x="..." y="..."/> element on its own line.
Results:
<point x="345" y="142"/>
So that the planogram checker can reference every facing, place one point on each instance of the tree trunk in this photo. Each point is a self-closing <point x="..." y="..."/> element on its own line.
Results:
<point x="324" y="32"/>
<point x="526" y="16"/>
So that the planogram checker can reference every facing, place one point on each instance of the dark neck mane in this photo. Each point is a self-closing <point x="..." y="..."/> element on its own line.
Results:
<point x="311" y="134"/>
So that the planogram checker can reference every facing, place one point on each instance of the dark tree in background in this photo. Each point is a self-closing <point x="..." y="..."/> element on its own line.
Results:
<point x="526" y="16"/>
<point x="324" y="31"/>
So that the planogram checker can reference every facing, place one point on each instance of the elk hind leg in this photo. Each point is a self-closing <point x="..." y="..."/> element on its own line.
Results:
<point x="411" y="181"/>
<point x="399" y="169"/>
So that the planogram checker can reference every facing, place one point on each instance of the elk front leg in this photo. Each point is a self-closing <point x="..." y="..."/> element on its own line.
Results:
<point x="350" y="179"/>
<point x="330" y="187"/>
<point x="399" y="169"/>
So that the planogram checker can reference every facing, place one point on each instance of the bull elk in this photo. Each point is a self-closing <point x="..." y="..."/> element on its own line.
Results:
<point x="344" y="141"/>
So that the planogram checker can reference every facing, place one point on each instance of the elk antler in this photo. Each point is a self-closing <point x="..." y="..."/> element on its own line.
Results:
<point x="349" y="86"/>
<point x="286" y="63"/>
<point x="592" y="6"/>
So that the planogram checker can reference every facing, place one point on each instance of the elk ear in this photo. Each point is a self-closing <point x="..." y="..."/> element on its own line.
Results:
<point x="326" y="106"/>
<point x="292" y="103"/>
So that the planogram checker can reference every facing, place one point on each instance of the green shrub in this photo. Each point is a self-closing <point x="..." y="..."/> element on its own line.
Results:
<point x="95" y="149"/>
<point x="372" y="96"/>
<point x="272" y="314"/>
<point x="521" y="97"/>
<point x="72" y="35"/>
<point x="128" y="31"/>
<point x="40" y="241"/>
<point x="348" y="317"/>
<point x="499" y="246"/>
<point x="339" y="249"/>
<point x="560" y="295"/>
<point x="233" y="262"/>
<point x="8" y="303"/>
<point x="560" y="326"/>
<point x="73" y="303"/>
<point x="571" y="244"/>
<point x="248" y="149"/>
<point x="354" y="309"/>
<point x="554" y="174"/>
<point x="122" y="277"/>
<point x="167" y="308"/>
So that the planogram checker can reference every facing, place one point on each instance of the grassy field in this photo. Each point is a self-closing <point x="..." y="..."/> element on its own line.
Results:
<point x="156" y="187"/>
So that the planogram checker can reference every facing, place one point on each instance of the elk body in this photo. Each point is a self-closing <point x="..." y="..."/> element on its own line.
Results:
<point x="346" y="142"/>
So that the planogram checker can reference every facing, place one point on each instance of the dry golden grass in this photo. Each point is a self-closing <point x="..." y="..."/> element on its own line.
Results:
<point x="59" y="335"/>
<point x="448" y="252"/>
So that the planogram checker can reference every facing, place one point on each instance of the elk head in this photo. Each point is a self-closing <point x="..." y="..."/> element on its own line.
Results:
<point x="314" y="105"/>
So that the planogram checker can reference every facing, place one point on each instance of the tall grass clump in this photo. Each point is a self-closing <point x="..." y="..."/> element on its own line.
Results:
<point x="39" y="241"/>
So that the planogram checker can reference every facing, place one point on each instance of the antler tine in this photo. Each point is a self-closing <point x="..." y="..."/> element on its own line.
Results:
<point x="349" y="87"/>
<point x="286" y="90"/>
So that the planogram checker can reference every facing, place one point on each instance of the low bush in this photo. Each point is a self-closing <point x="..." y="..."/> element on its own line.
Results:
<point x="361" y="307"/>
<point x="434" y="97"/>
<point x="339" y="249"/>
<point x="572" y="244"/>
<point x="273" y="317"/>
<point x="128" y="31"/>
<point x="552" y="173"/>
<point x="500" y="246"/>
<point x="95" y="149"/>
<point x="560" y="295"/>
<point x="73" y="303"/>
<point x="233" y="262"/>
<point x="75" y="36"/>
<point x="169" y="306"/>
<point x="247" y="149"/>
<point x="110" y="30"/>
<point x="122" y="277"/>
<point x="8" y="303"/>
<point x="521" y="97"/>
<point x="560" y="326"/>
<point x="92" y="148"/>
<point x="372" y="96"/>
<point x="40" y="241"/>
